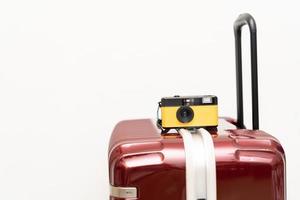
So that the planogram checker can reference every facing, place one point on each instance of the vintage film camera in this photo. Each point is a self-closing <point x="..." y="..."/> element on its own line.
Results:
<point x="189" y="112"/>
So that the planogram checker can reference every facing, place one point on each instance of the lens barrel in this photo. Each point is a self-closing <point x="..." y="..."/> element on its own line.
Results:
<point x="185" y="114"/>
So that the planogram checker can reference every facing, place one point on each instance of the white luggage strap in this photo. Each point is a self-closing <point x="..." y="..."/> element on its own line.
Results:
<point x="200" y="165"/>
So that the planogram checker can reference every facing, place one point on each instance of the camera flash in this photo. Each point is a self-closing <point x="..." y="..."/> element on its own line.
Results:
<point x="207" y="100"/>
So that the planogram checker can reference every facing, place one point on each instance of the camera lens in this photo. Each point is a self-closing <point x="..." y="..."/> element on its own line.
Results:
<point x="185" y="114"/>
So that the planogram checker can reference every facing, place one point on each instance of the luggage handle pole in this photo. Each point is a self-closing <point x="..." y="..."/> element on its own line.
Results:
<point x="246" y="19"/>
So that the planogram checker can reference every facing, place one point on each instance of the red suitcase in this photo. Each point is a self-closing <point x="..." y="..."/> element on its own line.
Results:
<point x="249" y="163"/>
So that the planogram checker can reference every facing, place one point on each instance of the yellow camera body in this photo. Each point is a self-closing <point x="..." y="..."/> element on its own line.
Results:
<point x="189" y="111"/>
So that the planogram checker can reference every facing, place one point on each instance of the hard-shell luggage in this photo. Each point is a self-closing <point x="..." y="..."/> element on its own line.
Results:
<point x="229" y="162"/>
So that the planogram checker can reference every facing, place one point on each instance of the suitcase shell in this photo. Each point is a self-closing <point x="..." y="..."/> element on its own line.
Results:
<point x="250" y="163"/>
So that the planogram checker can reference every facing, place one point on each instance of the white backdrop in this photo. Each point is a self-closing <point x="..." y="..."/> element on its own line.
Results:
<point x="70" y="70"/>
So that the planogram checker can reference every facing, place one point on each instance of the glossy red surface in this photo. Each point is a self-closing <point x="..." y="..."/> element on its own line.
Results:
<point x="250" y="164"/>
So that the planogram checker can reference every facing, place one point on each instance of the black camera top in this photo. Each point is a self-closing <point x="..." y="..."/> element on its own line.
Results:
<point x="189" y="100"/>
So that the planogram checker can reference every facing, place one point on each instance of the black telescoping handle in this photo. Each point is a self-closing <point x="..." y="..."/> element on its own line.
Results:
<point x="246" y="19"/>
